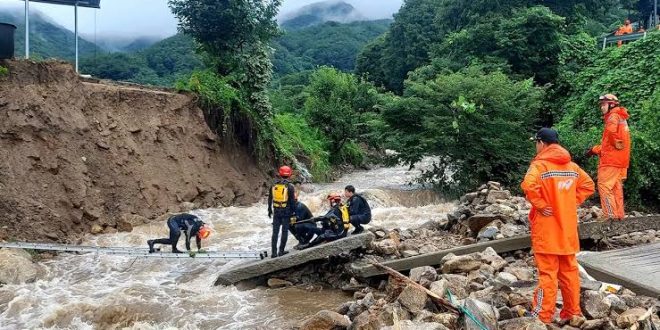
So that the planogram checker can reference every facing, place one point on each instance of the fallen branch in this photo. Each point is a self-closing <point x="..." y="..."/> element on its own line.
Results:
<point x="434" y="297"/>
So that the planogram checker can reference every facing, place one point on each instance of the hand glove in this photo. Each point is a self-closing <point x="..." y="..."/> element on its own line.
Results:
<point x="293" y="219"/>
<point x="589" y="153"/>
<point x="270" y="213"/>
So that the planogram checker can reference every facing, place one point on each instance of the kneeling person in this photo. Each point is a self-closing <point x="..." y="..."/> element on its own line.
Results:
<point x="305" y="231"/>
<point x="190" y="225"/>
<point x="335" y="223"/>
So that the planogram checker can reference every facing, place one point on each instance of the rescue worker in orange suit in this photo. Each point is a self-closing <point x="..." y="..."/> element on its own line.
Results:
<point x="614" y="153"/>
<point x="625" y="29"/>
<point x="555" y="186"/>
<point x="282" y="209"/>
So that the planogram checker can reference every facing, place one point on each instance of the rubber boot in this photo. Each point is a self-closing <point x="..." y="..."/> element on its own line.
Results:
<point x="151" y="246"/>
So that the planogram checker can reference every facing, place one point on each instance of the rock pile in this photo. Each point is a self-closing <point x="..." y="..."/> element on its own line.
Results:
<point x="497" y="290"/>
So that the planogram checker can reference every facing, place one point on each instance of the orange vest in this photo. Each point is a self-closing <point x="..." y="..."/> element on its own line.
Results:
<point x="554" y="181"/>
<point x="614" y="150"/>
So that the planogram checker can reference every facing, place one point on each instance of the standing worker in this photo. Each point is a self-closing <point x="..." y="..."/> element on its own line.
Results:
<point x="623" y="30"/>
<point x="282" y="209"/>
<point x="555" y="186"/>
<point x="358" y="209"/>
<point x="614" y="153"/>
<point x="191" y="226"/>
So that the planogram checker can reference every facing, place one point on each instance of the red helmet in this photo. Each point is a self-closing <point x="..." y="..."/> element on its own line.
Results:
<point x="334" y="198"/>
<point x="204" y="232"/>
<point x="285" y="171"/>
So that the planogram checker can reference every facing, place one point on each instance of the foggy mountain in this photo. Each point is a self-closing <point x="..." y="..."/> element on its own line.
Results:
<point x="321" y="12"/>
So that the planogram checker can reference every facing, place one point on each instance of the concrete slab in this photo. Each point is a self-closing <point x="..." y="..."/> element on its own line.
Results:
<point x="636" y="268"/>
<point x="295" y="258"/>
<point x="589" y="230"/>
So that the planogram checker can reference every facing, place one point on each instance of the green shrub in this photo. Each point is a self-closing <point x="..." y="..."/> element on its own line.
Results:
<point x="4" y="72"/>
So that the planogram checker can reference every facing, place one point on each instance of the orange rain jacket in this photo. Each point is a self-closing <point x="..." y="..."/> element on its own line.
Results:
<point x="624" y="29"/>
<point x="554" y="180"/>
<point x="614" y="150"/>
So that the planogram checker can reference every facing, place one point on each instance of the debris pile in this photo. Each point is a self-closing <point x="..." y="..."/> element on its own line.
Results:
<point x="496" y="290"/>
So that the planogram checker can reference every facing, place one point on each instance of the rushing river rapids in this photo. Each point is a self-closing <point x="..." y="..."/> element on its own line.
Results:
<point x="111" y="292"/>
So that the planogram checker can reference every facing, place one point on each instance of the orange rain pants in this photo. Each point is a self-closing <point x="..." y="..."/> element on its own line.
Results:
<point x="610" y="189"/>
<point x="553" y="267"/>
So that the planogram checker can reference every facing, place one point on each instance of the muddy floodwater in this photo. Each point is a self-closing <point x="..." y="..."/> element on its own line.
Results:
<point x="114" y="292"/>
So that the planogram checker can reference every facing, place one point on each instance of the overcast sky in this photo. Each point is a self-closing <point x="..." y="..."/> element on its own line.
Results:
<point x="153" y="17"/>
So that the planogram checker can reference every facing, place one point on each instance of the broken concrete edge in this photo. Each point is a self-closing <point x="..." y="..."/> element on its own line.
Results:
<point x="434" y="258"/>
<point x="594" y="267"/>
<point x="588" y="230"/>
<point x="293" y="259"/>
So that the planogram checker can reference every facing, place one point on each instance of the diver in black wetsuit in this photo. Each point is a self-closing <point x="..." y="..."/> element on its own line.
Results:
<point x="190" y="225"/>
<point x="303" y="232"/>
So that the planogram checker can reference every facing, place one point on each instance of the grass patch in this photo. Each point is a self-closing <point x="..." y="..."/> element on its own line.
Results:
<point x="296" y="139"/>
<point x="4" y="72"/>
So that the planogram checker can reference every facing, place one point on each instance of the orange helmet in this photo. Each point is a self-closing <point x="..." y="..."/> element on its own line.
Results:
<point x="609" y="98"/>
<point x="334" y="198"/>
<point x="204" y="232"/>
<point x="285" y="171"/>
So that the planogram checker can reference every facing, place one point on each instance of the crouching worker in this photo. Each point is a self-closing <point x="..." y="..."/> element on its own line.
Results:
<point x="334" y="224"/>
<point x="305" y="231"/>
<point x="191" y="226"/>
<point x="358" y="209"/>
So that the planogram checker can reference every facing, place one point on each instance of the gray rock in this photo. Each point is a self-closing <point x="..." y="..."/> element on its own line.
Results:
<point x="505" y="313"/>
<point x="629" y="317"/>
<point x="368" y="300"/>
<point x="497" y="195"/>
<point x="522" y="323"/>
<point x="16" y="267"/>
<point x="424" y="316"/>
<point x="461" y="264"/>
<point x="413" y="299"/>
<point x="594" y="305"/>
<point x="380" y="234"/>
<point x="409" y="253"/>
<point x="507" y="212"/>
<point x="354" y="310"/>
<point x="439" y="287"/>
<point x="521" y="273"/>
<point x="494" y="185"/>
<point x="469" y="197"/>
<point x="386" y="247"/>
<point x="275" y="283"/>
<point x="488" y="232"/>
<point x="423" y="275"/>
<point x="385" y="315"/>
<point x="343" y="308"/>
<point x="411" y="325"/>
<point x="457" y="285"/>
<point x="326" y="320"/>
<point x="449" y="320"/>
<point x="485" y="313"/>
<point x="517" y="298"/>
<point x="492" y="258"/>
<point x="617" y="304"/>
<point x="478" y="276"/>
<point x="594" y="324"/>
<point x="506" y="278"/>
<point x="483" y="294"/>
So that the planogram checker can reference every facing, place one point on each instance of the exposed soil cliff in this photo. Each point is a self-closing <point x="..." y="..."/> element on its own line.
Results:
<point x="76" y="155"/>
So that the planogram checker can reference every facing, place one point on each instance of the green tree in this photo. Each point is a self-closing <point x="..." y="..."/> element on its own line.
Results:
<point x="475" y="125"/>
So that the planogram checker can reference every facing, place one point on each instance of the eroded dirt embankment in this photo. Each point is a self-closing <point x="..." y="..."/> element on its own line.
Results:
<point x="76" y="156"/>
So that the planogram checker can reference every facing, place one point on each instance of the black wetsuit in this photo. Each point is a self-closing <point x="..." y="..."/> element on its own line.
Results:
<point x="359" y="212"/>
<point x="305" y="231"/>
<point x="332" y="228"/>
<point x="185" y="222"/>
<point x="281" y="217"/>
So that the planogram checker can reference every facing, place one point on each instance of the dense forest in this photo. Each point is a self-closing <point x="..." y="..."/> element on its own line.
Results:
<point x="466" y="83"/>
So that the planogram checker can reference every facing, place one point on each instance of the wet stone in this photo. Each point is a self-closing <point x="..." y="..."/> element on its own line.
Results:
<point x="594" y="305"/>
<point x="423" y="275"/>
<point x="629" y="317"/>
<point x="326" y="320"/>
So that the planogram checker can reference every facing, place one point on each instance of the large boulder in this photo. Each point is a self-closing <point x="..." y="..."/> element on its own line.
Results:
<point x="326" y="320"/>
<point x="423" y="275"/>
<point x="461" y="264"/>
<point x="594" y="305"/>
<point x="497" y="195"/>
<point x="16" y="267"/>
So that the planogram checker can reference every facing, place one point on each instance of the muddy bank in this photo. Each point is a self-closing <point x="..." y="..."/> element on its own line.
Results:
<point x="80" y="157"/>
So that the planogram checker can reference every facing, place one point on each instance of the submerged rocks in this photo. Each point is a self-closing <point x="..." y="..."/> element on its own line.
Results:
<point x="16" y="267"/>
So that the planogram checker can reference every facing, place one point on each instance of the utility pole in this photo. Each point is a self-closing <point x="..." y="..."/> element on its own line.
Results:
<point x="655" y="14"/>
<point x="27" y="29"/>
<point x="76" y="14"/>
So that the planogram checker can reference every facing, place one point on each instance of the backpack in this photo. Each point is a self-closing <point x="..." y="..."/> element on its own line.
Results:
<point x="281" y="194"/>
